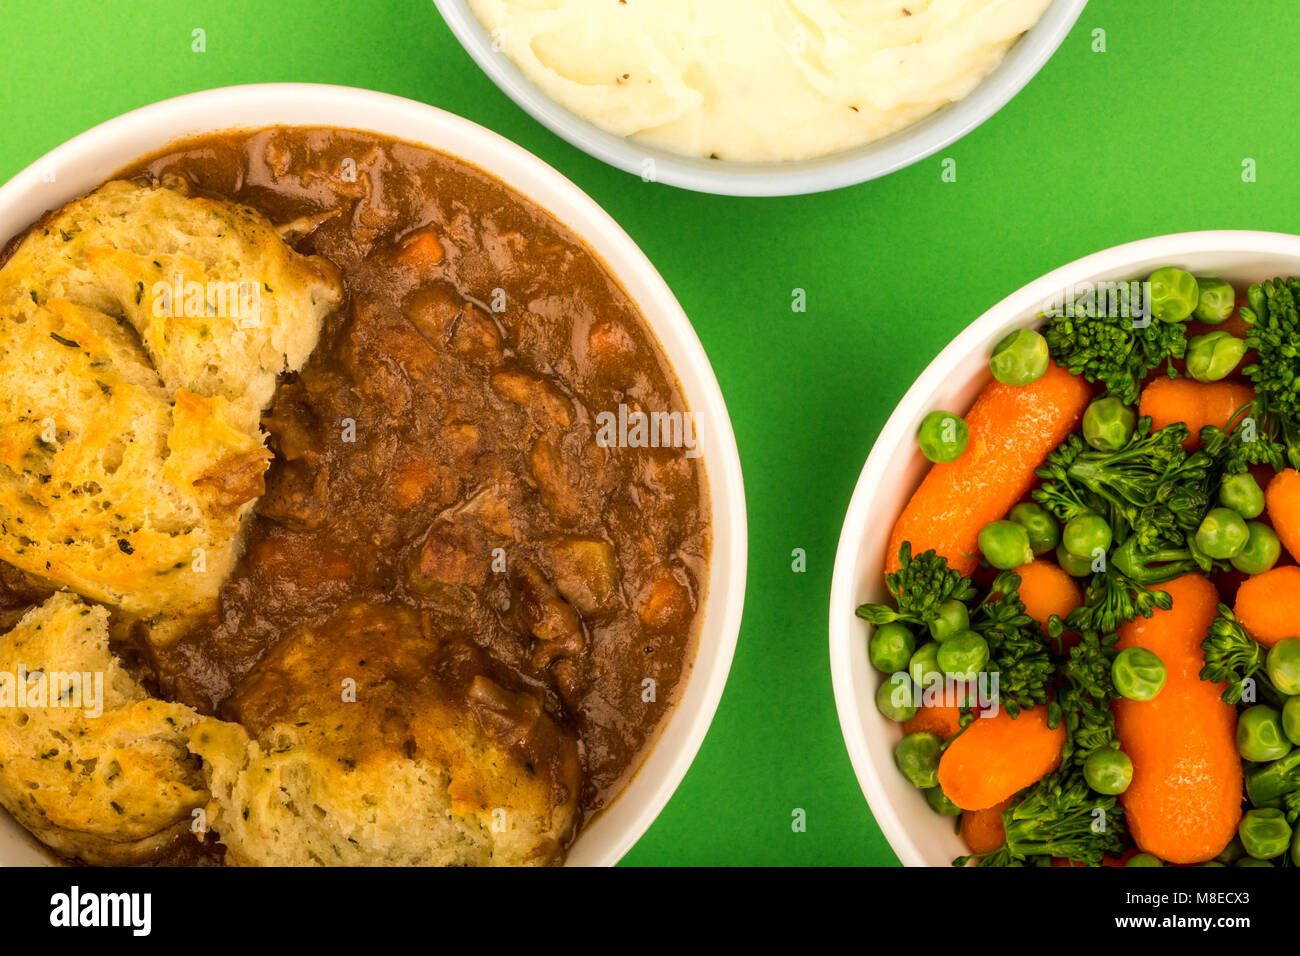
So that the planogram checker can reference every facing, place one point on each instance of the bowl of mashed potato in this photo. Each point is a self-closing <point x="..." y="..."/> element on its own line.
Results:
<point x="760" y="97"/>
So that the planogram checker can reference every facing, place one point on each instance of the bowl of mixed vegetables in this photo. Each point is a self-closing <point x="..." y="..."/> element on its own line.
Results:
<point x="1065" y="615"/>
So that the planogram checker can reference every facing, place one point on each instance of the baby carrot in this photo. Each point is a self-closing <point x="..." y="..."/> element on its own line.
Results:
<point x="1169" y="400"/>
<point x="1012" y="429"/>
<point x="941" y="719"/>
<point x="1283" y="500"/>
<point x="1046" y="589"/>
<point x="1184" y="803"/>
<point x="997" y="757"/>
<point x="982" y="829"/>
<point x="1268" y="604"/>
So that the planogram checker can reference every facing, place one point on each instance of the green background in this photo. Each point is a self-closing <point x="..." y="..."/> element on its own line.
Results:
<point x="1145" y="138"/>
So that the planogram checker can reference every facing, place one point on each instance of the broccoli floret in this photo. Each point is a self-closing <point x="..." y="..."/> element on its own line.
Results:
<point x="1111" y="351"/>
<point x="918" y="587"/>
<point x="1232" y="655"/>
<point x="1018" y="651"/>
<point x="1274" y="334"/>
<point x="1112" y="599"/>
<point x="1060" y="816"/>
<point x="1152" y="488"/>
<point x="1085" y="695"/>
<point x="1273" y="434"/>
<point x="1154" y="494"/>
<point x="1250" y="437"/>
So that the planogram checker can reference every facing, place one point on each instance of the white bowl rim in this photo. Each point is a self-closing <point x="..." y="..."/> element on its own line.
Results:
<point x="166" y="121"/>
<point x="834" y="171"/>
<point x="843" y="629"/>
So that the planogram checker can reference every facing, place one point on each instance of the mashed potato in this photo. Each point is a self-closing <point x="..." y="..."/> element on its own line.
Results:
<point x="754" y="80"/>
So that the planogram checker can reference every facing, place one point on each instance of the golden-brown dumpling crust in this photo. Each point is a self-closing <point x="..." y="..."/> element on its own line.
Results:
<point x="130" y="444"/>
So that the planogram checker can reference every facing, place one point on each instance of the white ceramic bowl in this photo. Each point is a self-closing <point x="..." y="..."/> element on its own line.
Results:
<point x="895" y="467"/>
<point x="82" y="163"/>
<point x="846" y="168"/>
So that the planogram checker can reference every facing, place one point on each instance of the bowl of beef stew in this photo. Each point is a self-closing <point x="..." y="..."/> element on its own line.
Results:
<point x="502" y="488"/>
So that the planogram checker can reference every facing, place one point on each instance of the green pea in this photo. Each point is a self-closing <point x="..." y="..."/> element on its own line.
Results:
<point x="1283" y="666"/>
<point x="1044" y="533"/>
<point x="1108" y="771"/>
<point x="1215" y="300"/>
<point x="1242" y="494"/>
<point x="1138" y="673"/>
<point x="1174" y="295"/>
<point x="943" y="437"/>
<point x="1259" y="734"/>
<point x="896" y="698"/>
<point x="1264" y="833"/>
<point x="1144" y="859"/>
<point x="1291" y="720"/>
<point x="924" y="665"/>
<point x="1108" y="424"/>
<point x="1214" y="355"/>
<point x="1223" y="534"/>
<point x="917" y="756"/>
<point x="952" y="618"/>
<point x="1020" y="359"/>
<point x="940" y="803"/>
<point x="1072" y="564"/>
<point x="890" y="647"/>
<point x="1085" y="533"/>
<point x="1233" y="852"/>
<point x="963" y="655"/>
<point x="1005" y="545"/>
<point x="1262" y="550"/>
